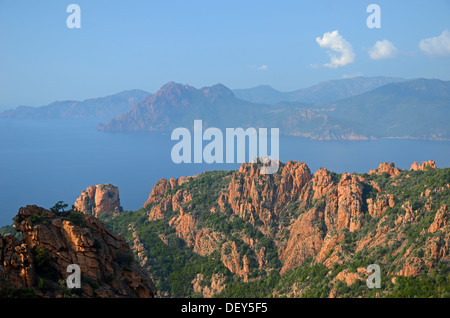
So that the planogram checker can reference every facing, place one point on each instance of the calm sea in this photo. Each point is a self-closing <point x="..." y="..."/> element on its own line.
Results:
<point x="45" y="161"/>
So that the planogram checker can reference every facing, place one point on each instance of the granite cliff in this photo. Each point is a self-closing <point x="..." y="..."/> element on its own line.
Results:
<point x="296" y="233"/>
<point x="98" y="199"/>
<point x="37" y="265"/>
<point x="262" y="233"/>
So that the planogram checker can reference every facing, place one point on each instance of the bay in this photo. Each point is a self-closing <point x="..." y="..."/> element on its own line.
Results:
<point x="45" y="161"/>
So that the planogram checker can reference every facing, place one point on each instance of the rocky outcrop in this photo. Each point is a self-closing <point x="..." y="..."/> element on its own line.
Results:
<point x="386" y="167"/>
<point x="159" y="202"/>
<point x="208" y="291"/>
<point x="305" y="240"/>
<point x="349" y="213"/>
<point x="253" y="196"/>
<point x="204" y="241"/>
<point x="16" y="263"/>
<point x="98" y="199"/>
<point x="52" y="242"/>
<point x="440" y="220"/>
<point x="430" y="164"/>
<point x="378" y="206"/>
<point x="350" y="278"/>
<point x="232" y="260"/>
<point x="254" y="223"/>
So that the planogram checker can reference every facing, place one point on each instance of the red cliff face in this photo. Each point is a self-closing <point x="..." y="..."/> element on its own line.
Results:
<point x="98" y="199"/>
<point x="323" y="218"/>
<point x="424" y="165"/>
<point x="329" y="205"/>
<point x="253" y="196"/>
<point x="336" y="207"/>
<point x="164" y="201"/>
<point x="16" y="262"/>
<point x="51" y="242"/>
<point x="386" y="167"/>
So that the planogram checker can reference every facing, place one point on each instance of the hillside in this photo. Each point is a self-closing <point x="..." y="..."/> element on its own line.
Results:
<point x="295" y="233"/>
<point x="417" y="109"/>
<point x="102" y="107"/>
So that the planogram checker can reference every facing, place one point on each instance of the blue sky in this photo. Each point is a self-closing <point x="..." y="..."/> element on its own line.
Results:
<point x="144" y="44"/>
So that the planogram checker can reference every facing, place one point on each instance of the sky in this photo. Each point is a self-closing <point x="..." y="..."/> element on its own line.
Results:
<point x="138" y="44"/>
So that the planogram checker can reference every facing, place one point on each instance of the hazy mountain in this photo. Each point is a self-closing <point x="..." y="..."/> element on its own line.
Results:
<point x="414" y="109"/>
<point x="324" y="92"/>
<point x="177" y="105"/>
<point x="418" y="108"/>
<point x="102" y="107"/>
<point x="261" y="94"/>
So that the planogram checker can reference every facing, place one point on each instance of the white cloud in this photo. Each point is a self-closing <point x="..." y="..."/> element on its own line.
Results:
<point x="340" y="51"/>
<point x="383" y="50"/>
<point x="437" y="46"/>
<point x="263" y="68"/>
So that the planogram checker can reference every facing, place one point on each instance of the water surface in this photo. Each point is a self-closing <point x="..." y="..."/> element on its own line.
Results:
<point x="45" y="161"/>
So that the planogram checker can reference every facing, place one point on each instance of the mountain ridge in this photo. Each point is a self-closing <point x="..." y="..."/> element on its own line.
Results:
<point x="414" y="109"/>
<point x="410" y="109"/>
<point x="101" y="107"/>
<point x="392" y="110"/>
<point x="242" y="234"/>
<point x="323" y="92"/>
<point x="295" y="233"/>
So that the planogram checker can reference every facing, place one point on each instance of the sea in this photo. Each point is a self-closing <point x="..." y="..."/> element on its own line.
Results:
<point x="43" y="161"/>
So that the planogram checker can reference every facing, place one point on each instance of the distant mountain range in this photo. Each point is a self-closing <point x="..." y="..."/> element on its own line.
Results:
<point x="349" y="109"/>
<point x="102" y="107"/>
<point x="417" y="108"/>
<point x="324" y="92"/>
<point x="176" y="105"/>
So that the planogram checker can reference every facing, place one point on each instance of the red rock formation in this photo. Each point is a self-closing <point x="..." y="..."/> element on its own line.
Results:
<point x="216" y="287"/>
<point x="158" y="191"/>
<point x="165" y="202"/>
<point x="16" y="263"/>
<point x="108" y="268"/>
<point x="320" y="217"/>
<point x="430" y="164"/>
<point x="232" y="260"/>
<point x="378" y="208"/>
<point x="412" y="267"/>
<point x="440" y="220"/>
<point x="386" y="167"/>
<point x="204" y="241"/>
<point x="253" y="196"/>
<point x="98" y="199"/>
<point x="349" y="278"/>
<point x="305" y="240"/>
<point x="349" y="202"/>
